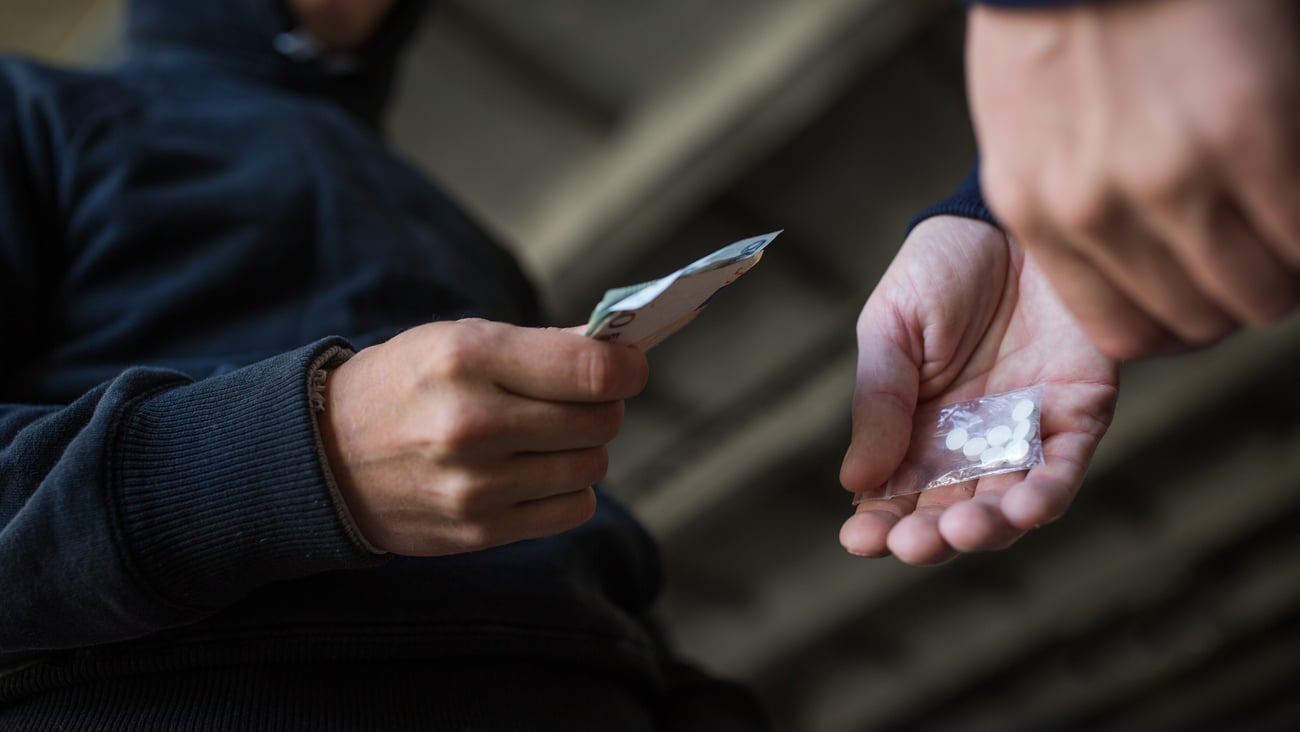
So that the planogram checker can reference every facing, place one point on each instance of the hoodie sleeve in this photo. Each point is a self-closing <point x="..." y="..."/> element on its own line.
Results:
<point x="153" y="499"/>
<point x="966" y="201"/>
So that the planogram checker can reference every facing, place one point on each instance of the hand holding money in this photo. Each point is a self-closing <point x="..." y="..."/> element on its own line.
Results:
<point x="643" y="315"/>
<point x="463" y="435"/>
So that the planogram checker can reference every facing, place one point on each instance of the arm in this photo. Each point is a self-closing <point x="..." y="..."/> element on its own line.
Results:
<point x="1147" y="154"/>
<point x="145" y="502"/>
<point x="153" y="500"/>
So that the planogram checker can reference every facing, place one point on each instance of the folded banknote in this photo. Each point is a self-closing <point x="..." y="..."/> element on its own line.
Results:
<point x="644" y="315"/>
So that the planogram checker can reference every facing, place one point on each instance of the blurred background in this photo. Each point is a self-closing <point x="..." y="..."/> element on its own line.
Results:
<point x="608" y="142"/>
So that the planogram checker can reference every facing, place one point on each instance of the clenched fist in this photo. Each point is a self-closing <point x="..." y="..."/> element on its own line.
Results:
<point x="1147" y="154"/>
<point x="459" y="436"/>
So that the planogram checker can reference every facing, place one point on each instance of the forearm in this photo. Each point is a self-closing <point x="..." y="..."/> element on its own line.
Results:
<point x="154" y="500"/>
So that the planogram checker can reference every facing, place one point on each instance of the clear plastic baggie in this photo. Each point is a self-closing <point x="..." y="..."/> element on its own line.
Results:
<point x="988" y="435"/>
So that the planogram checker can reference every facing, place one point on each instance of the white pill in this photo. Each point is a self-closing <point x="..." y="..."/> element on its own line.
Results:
<point x="992" y="455"/>
<point x="1021" y="430"/>
<point x="956" y="438"/>
<point x="1023" y="409"/>
<point x="1017" y="451"/>
<point x="974" y="446"/>
<point x="999" y="436"/>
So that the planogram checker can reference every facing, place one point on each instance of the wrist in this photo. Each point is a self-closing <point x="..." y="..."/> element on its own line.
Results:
<point x="332" y="454"/>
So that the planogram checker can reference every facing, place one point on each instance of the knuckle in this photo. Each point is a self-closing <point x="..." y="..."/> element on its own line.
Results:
<point x="1127" y="344"/>
<point x="608" y="421"/>
<point x="1202" y="332"/>
<point x="1242" y="104"/>
<point x="1266" y="307"/>
<point x="1087" y="211"/>
<point x="463" y="497"/>
<point x="1010" y="201"/>
<point x="460" y="349"/>
<point x="479" y="535"/>
<point x="582" y="507"/>
<point x="597" y="368"/>
<point x="456" y="357"/>
<point x="1243" y="122"/>
<point x="1289" y="244"/>
<point x="1165" y="185"/>
<point x="592" y="466"/>
<point x="578" y="469"/>
<point x="460" y="427"/>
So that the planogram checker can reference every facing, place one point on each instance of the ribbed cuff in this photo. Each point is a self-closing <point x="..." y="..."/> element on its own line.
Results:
<point x="319" y="371"/>
<point x="221" y="487"/>
<point x="967" y="201"/>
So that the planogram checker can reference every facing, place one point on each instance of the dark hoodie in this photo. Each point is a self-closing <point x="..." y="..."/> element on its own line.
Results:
<point x="184" y="241"/>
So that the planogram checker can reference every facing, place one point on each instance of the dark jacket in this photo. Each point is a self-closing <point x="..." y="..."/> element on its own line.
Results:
<point x="184" y="240"/>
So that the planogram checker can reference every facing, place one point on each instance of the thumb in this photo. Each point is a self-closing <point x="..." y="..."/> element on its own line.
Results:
<point x="884" y="402"/>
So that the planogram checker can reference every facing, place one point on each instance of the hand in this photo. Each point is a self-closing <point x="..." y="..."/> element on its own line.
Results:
<point x="962" y="313"/>
<point x="1147" y="154"/>
<point x="459" y="436"/>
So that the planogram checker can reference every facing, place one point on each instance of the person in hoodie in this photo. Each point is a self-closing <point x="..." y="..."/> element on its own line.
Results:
<point x="282" y="444"/>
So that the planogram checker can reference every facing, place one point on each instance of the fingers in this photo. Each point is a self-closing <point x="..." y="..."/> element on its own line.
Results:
<point x="1118" y="326"/>
<point x="536" y="519"/>
<point x="1225" y="257"/>
<point x="1259" y="156"/>
<point x="1005" y="507"/>
<point x="1269" y="202"/>
<point x="1263" y="280"/>
<point x="883" y="403"/>
<point x="1187" y="275"/>
<point x="555" y="514"/>
<point x="1074" y="430"/>
<point x="529" y="497"/>
<point x="477" y="491"/>
<point x="949" y="520"/>
<point x="935" y="526"/>
<point x="906" y="526"/>
<point x="1166" y="200"/>
<point x="456" y="436"/>
<point x="916" y="538"/>
<point x="551" y="364"/>
<point x="979" y="524"/>
<point x="1246" y="274"/>
<point x="496" y="425"/>
<point x="1141" y="266"/>
<point x="470" y="507"/>
<point x="866" y="533"/>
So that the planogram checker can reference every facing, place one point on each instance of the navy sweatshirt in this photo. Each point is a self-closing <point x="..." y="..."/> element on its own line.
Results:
<point x="185" y="241"/>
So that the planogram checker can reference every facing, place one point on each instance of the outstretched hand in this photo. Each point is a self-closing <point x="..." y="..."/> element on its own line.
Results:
<point x="1147" y="155"/>
<point x="458" y="436"/>
<point x="961" y="313"/>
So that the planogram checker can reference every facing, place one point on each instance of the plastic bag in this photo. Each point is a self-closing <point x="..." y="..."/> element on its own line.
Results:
<point x="997" y="433"/>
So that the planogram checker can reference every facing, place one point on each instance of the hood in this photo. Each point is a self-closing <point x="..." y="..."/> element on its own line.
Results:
<point x="259" y="38"/>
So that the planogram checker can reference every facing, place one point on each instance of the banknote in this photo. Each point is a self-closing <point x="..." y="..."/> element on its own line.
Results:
<point x="645" y="314"/>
